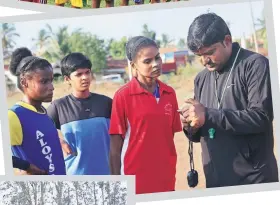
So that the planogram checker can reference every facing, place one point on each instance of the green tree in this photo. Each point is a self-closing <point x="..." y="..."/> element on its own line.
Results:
<point x="62" y="42"/>
<point x="8" y="38"/>
<point x="117" y="48"/>
<point x="108" y="45"/>
<point x="150" y="34"/>
<point x="166" y="41"/>
<point x="182" y="43"/>
<point x="91" y="46"/>
<point x="261" y="32"/>
<point x="42" y="40"/>
<point x="58" y="46"/>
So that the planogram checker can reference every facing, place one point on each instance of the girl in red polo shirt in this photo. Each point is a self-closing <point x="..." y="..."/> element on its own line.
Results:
<point x="143" y="122"/>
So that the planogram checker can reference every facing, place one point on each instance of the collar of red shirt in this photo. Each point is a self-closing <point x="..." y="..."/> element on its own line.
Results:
<point x="135" y="88"/>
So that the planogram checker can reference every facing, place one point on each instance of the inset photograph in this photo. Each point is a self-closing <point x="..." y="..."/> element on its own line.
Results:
<point x="92" y="4"/>
<point x="63" y="192"/>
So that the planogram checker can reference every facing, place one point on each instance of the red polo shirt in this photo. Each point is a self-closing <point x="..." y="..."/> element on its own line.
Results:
<point x="148" y="130"/>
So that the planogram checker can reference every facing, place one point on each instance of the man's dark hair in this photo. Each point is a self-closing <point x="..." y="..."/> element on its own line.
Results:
<point x="206" y="30"/>
<point x="73" y="62"/>
<point x="23" y="62"/>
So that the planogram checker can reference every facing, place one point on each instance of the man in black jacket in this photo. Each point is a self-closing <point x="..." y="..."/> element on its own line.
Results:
<point x="231" y="114"/>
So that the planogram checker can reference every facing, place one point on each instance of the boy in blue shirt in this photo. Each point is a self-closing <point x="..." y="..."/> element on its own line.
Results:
<point x="83" y="119"/>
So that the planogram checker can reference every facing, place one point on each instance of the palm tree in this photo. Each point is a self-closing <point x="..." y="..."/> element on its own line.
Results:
<point x="62" y="40"/>
<point x="182" y="43"/>
<point x="166" y="40"/>
<point x="148" y="33"/>
<point x="42" y="40"/>
<point x="261" y="32"/>
<point x="59" y="45"/>
<point x="8" y="35"/>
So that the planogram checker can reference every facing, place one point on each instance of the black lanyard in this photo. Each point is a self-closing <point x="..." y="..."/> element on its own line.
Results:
<point x="216" y="79"/>
<point x="192" y="176"/>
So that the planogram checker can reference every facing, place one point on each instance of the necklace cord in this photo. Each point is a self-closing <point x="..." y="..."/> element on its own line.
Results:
<point x="220" y="101"/>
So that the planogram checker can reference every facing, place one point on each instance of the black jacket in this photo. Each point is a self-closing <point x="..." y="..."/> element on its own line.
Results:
<point x="241" y="151"/>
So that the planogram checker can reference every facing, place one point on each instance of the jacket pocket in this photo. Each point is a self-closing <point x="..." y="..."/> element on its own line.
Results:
<point x="252" y="154"/>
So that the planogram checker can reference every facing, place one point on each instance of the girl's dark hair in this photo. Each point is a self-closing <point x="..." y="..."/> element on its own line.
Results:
<point x="73" y="62"/>
<point x="206" y="30"/>
<point x="135" y="44"/>
<point x="22" y="61"/>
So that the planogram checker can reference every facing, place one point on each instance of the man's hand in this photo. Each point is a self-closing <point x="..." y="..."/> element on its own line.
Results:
<point x="192" y="114"/>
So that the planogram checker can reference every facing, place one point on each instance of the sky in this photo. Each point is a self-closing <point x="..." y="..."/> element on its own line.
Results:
<point x="173" y="22"/>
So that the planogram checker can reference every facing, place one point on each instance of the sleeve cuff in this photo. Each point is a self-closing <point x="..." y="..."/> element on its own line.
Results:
<point x="195" y="137"/>
<point x="20" y="164"/>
